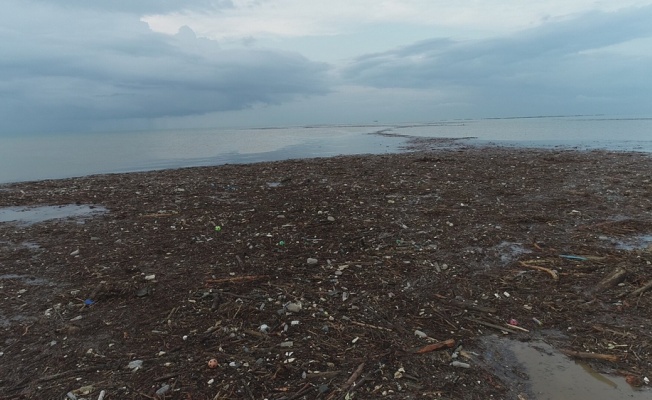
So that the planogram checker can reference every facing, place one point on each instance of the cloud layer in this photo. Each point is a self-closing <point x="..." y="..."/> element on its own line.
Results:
<point x="88" y="65"/>
<point x="584" y="61"/>
<point x="63" y="72"/>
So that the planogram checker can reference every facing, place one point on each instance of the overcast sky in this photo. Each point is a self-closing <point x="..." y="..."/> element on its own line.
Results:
<point x="80" y="65"/>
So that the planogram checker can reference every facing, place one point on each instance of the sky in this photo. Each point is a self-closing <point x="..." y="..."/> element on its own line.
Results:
<point x="103" y="65"/>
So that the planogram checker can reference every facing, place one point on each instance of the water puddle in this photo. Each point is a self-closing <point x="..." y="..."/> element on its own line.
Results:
<point x="13" y="246"/>
<point x="34" y="215"/>
<point x="546" y="374"/>
<point x="638" y="242"/>
<point x="509" y="251"/>
<point x="26" y="279"/>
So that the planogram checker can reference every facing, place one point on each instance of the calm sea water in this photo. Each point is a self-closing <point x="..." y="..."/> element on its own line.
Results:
<point x="67" y="155"/>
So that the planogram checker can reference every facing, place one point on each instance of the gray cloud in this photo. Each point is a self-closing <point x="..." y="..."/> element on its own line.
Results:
<point x="546" y="68"/>
<point x="64" y="69"/>
<point x="143" y="6"/>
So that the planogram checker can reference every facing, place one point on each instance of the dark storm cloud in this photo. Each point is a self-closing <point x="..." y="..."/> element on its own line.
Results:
<point x="62" y="69"/>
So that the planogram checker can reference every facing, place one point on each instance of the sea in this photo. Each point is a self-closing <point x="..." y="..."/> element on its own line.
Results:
<point x="64" y="155"/>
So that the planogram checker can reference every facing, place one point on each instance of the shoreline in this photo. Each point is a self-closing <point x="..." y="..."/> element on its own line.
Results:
<point x="411" y="144"/>
<point x="343" y="259"/>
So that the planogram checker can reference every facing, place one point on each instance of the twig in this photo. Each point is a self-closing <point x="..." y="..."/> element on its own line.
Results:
<point x="301" y="391"/>
<point x="615" y="332"/>
<point x="66" y="373"/>
<point x="247" y="389"/>
<point x="371" y="326"/>
<point x="245" y="278"/>
<point x="327" y="375"/>
<point x="471" y="306"/>
<point x="552" y="272"/>
<point x="166" y="377"/>
<point x="642" y="289"/>
<point x="517" y="327"/>
<point x="240" y="296"/>
<point x="614" y="278"/>
<point x="436" y="346"/>
<point x="502" y="328"/>
<point x="351" y="380"/>
<point x="591" y="356"/>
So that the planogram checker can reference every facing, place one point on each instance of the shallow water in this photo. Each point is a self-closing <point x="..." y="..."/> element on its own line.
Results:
<point x="553" y="376"/>
<point x="34" y="215"/>
<point x="28" y="280"/>
<point x="639" y="242"/>
<point x="37" y="157"/>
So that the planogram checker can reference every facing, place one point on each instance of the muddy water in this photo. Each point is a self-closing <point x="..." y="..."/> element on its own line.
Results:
<point x="543" y="373"/>
<point x="33" y="215"/>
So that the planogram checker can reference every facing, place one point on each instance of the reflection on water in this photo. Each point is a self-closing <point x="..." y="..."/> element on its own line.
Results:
<point x="553" y="376"/>
<point x="66" y="155"/>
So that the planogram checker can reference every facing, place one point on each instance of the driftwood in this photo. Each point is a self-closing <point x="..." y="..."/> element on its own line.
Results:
<point x="615" y="277"/>
<point x="551" y="272"/>
<point x="642" y="289"/>
<point x="436" y="346"/>
<point x="590" y="356"/>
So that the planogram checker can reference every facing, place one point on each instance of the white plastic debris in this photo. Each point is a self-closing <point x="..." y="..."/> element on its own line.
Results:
<point x="420" y="334"/>
<point x="460" y="364"/>
<point x="135" y="365"/>
<point x="163" y="390"/>
<point x="293" y="307"/>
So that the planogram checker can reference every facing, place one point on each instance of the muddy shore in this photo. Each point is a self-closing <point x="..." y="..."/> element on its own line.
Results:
<point x="349" y="277"/>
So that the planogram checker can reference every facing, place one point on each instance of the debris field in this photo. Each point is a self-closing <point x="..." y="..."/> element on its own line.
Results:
<point x="363" y="277"/>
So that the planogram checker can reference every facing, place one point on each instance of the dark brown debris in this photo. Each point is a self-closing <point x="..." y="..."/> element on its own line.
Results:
<point x="317" y="279"/>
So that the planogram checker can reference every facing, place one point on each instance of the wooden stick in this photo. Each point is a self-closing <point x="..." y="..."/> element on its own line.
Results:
<point x="642" y="289"/>
<point x="475" y="307"/>
<point x="350" y="381"/>
<point x="245" y="278"/>
<point x="614" y="278"/>
<point x="371" y="326"/>
<point x="552" y="272"/>
<point x="615" y="332"/>
<point x="517" y="327"/>
<point x="326" y="375"/>
<point x="490" y="325"/>
<point x="305" y="389"/>
<point x="436" y="346"/>
<point x="591" y="356"/>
